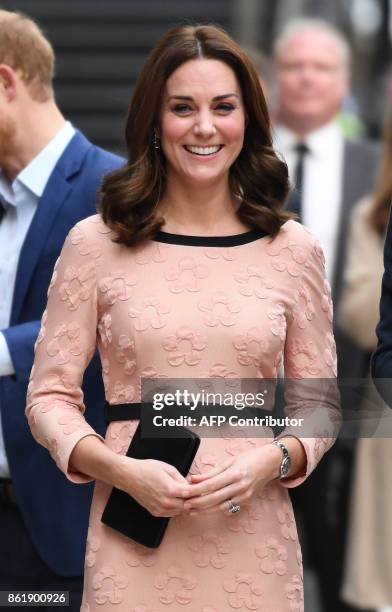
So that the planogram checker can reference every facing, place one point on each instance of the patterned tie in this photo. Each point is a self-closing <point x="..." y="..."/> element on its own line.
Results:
<point x="294" y="203"/>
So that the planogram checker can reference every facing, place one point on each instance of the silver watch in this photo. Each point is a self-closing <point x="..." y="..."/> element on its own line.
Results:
<point x="286" y="459"/>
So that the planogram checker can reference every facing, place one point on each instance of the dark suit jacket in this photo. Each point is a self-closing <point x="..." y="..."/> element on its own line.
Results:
<point x="361" y="159"/>
<point x="360" y="164"/>
<point x="382" y="357"/>
<point x="54" y="510"/>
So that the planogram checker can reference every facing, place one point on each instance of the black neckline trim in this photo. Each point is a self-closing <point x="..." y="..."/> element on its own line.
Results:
<point x="209" y="241"/>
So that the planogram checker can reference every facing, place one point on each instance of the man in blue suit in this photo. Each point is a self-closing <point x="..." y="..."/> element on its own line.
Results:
<point x="49" y="177"/>
<point x="382" y="358"/>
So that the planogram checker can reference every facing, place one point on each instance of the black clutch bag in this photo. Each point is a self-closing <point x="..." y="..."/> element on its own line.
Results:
<point x="122" y="512"/>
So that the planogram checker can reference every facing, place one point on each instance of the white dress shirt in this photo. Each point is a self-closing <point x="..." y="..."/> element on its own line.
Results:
<point x="20" y="199"/>
<point x="322" y="185"/>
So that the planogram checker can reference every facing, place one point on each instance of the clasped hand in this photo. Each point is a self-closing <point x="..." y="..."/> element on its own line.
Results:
<point x="161" y="489"/>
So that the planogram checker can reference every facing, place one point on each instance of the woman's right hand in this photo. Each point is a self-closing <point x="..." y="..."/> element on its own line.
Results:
<point x="156" y="485"/>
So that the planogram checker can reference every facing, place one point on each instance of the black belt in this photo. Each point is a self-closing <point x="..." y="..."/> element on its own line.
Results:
<point x="122" y="412"/>
<point x="7" y="493"/>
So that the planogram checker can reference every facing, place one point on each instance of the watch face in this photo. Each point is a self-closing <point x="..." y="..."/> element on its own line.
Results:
<point x="285" y="466"/>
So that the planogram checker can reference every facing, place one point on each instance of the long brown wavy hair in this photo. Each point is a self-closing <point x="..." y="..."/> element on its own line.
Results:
<point x="130" y="195"/>
<point x="382" y="195"/>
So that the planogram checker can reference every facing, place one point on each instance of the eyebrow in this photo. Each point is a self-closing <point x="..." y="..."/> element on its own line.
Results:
<point x="215" y="98"/>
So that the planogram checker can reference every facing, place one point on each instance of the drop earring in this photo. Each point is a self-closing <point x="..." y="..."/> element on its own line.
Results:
<point x="156" y="141"/>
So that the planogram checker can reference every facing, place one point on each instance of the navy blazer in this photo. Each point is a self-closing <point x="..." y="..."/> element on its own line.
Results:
<point x="382" y="357"/>
<point x="55" y="511"/>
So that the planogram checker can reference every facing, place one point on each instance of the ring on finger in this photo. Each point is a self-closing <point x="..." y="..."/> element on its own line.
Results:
<point x="233" y="508"/>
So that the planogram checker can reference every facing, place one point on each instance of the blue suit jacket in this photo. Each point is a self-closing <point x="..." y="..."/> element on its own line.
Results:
<point x="55" y="511"/>
<point x="382" y="357"/>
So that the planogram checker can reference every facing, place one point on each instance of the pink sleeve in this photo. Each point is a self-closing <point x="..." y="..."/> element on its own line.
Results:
<point x="64" y="348"/>
<point x="311" y="391"/>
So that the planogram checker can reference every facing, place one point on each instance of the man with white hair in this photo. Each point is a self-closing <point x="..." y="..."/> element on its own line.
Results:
<point x="331" y="174"/>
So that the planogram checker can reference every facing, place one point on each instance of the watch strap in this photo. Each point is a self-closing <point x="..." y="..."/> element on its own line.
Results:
<point x="286" y="459"/>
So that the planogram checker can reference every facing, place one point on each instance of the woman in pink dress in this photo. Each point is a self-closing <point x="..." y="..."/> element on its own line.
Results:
<point x="192" y="270"/>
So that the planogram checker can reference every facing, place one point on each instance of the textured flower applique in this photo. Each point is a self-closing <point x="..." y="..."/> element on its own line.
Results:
<point x="269" y="493"/>
<point x="138" y="555"/>
<point x="175" y="586"/>
<point x="109" y="586"/>
<point x="48" y="406"/>
<point x="330" y="352"/>
<point x="219" y="370"/>
<point x="60" y="383"/>
<point x="287" y="522"/>
<point x="235" y="446"/>
<point x="326" y="302"/>
<point x="287" y="255"/>
<point x="220" y="309"/>
<point x="143" y="608"/>
<point x="42" y="331"/>
<point x="53" y="448"/>
<point x="116" y="287"/>
<point x="122" y="393"/>
<point x="319" y="252"/>
<point x="324" y="441"/>
<point x="209" y="549"/>
<point x="186" y="276"/>
<point x="226" y="253"/>
<point x="184" y="347"/>
<point x="105" y="373"/>
<point x="101" y="227"/>
<point x="77" y="285"/>
<point x="203" y="463"/>
<point x="120" y="435"/>
<point x="254" y="282"/>
<point x="66" y="342"/>
<point x="155" y="252"/>
<point x="273" y="557"/>
<point x="294" y="593"/>
<point x="278" y="325"/>
<point x="303" y="358"/>
<point x="93" y="545"/>
<point x="125" y="353"/>
<point x="246" y="520"/>
<point x="72" y="421"/>
<point x="151" y="372"/>
<point x="83" y="247"/>
<point x="304" y="310"/>
<point x="150" y="313"/>
<point x="105" y="329"/>
<point x="251" y="347"/>
<point x="245" y="591"/>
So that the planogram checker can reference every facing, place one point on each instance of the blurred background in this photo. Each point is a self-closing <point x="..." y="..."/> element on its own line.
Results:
<point x="100" y="46"/>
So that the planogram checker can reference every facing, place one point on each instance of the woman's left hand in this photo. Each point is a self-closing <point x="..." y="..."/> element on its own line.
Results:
<point x="236" y="479"/>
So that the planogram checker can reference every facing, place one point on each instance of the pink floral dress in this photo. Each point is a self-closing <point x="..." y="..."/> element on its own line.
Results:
<point x="186" y="307"/>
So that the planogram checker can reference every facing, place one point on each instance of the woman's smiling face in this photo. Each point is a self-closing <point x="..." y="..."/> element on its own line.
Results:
<point x="202" y="121"/>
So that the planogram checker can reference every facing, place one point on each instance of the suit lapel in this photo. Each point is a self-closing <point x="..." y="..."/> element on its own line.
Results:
<point x="56" y="192"/>
<point x="345" y="207"/>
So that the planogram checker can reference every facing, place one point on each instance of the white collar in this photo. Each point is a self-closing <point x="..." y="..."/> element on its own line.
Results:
<point x="319" y="141"/>
<point x="36" y="174"/>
